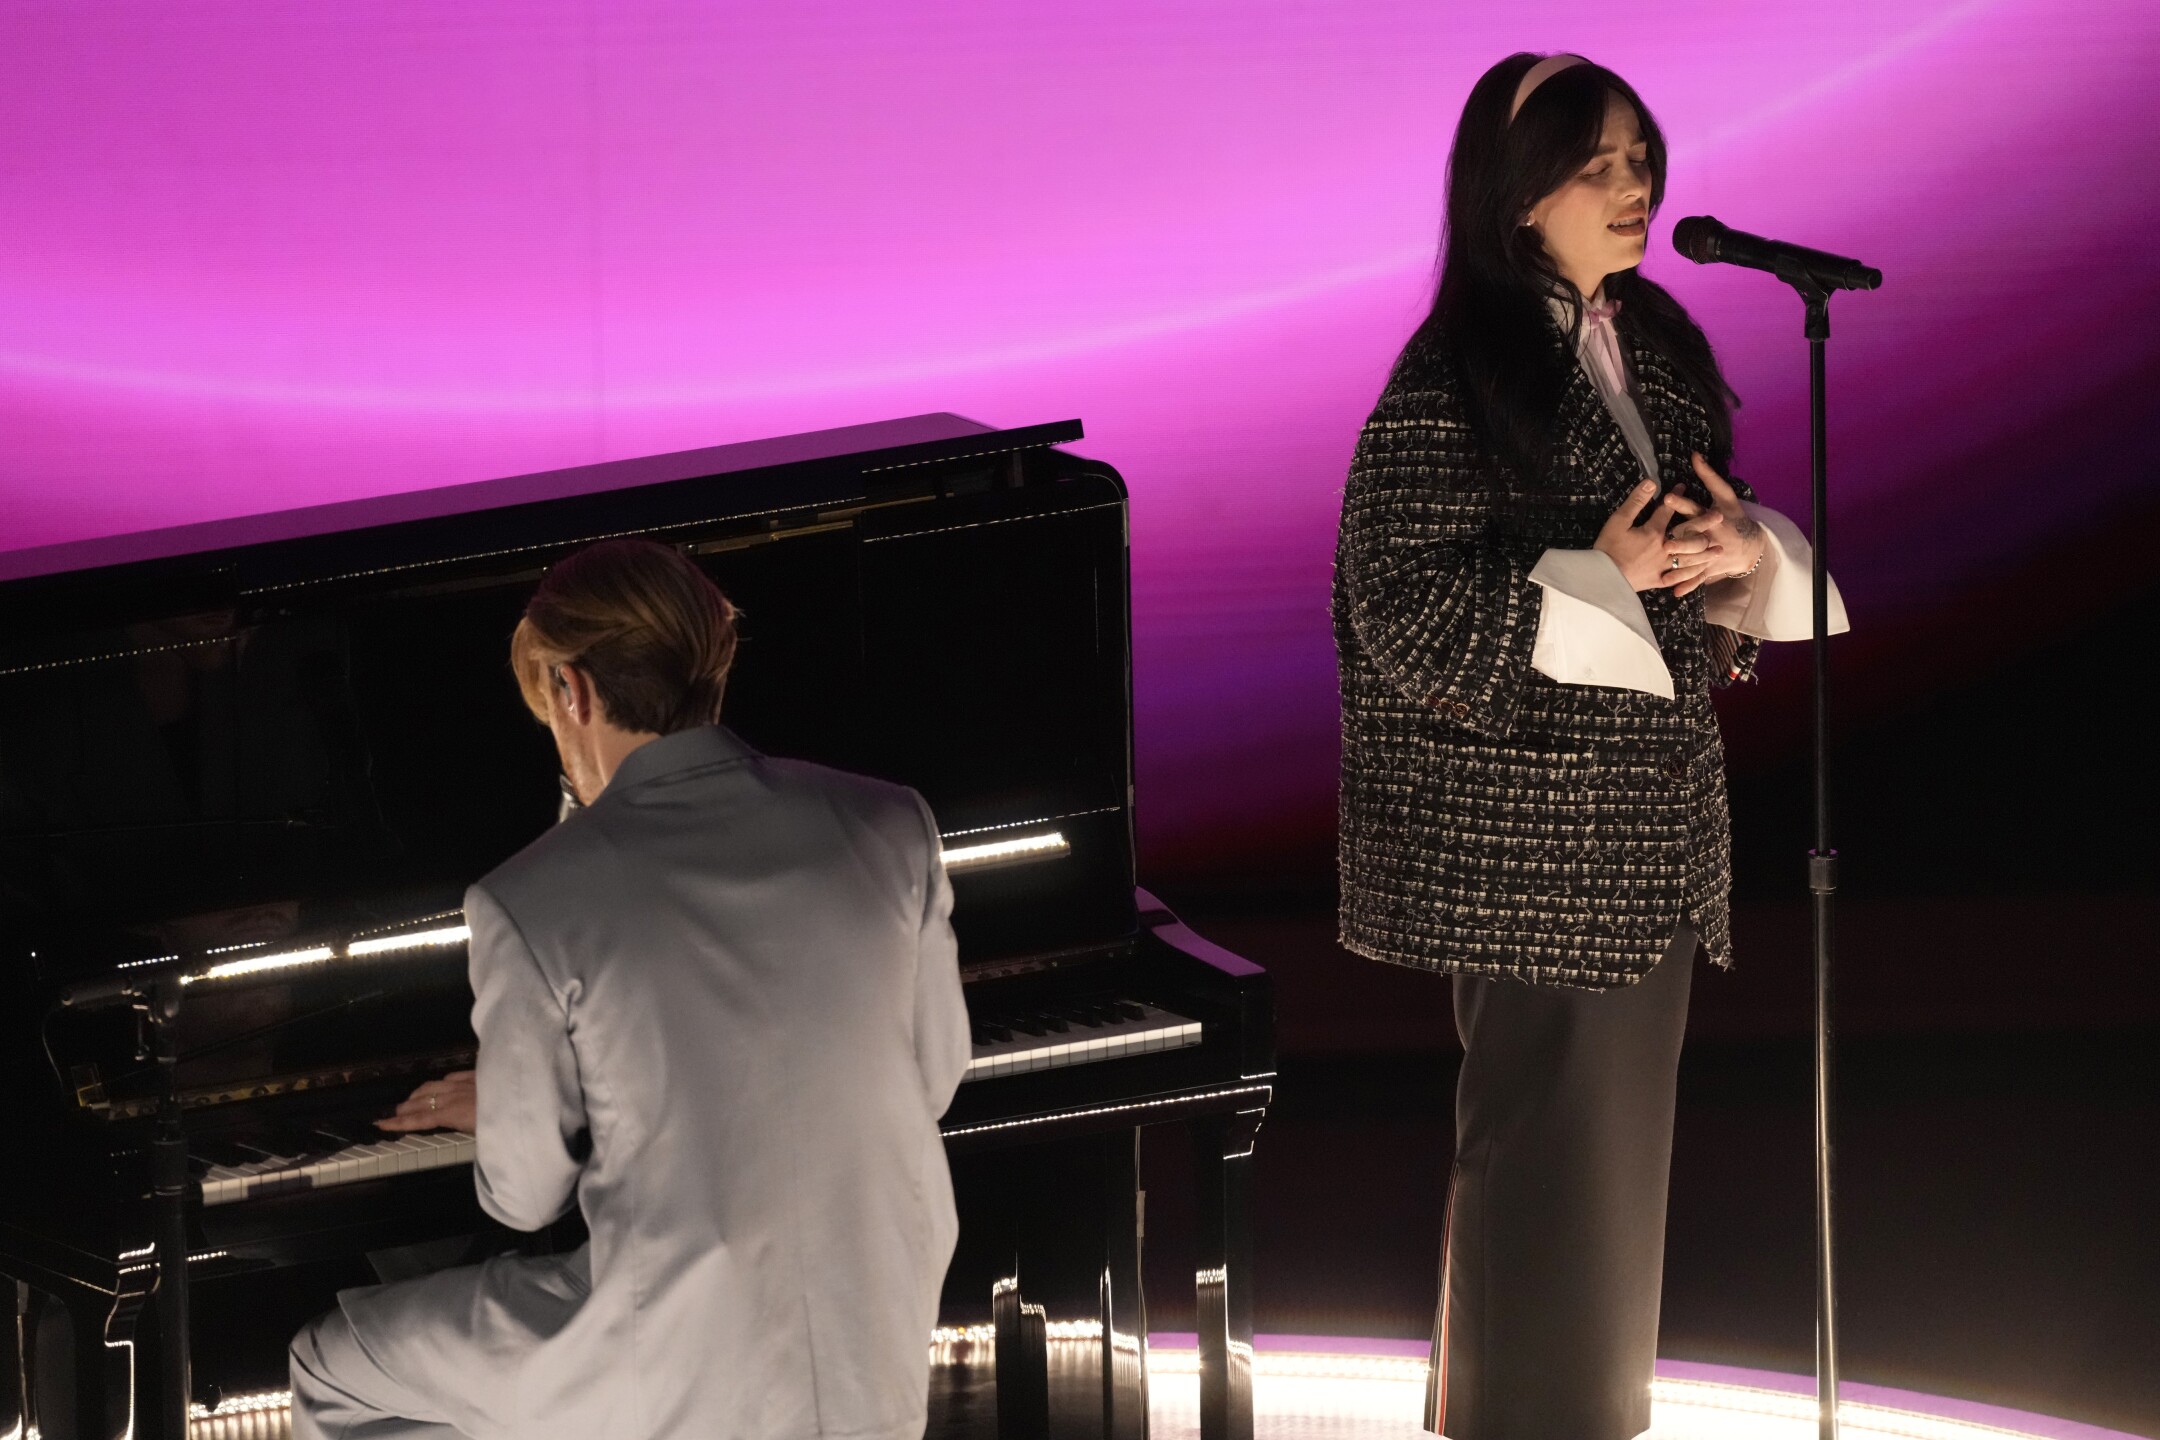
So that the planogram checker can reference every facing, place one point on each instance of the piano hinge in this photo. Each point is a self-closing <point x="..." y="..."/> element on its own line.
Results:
<point x="766" y="537"/>
<point x="89" y="1086"/>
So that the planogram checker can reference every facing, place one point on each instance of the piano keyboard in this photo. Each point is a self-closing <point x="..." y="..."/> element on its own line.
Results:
<point x="1048" y="1039"/>
<point x="1074" y="1035"/>
<point x="373" y="1160"/>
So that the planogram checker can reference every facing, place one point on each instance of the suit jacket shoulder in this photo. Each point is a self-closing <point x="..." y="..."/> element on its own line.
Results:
<point x="572" y="847"/>
<point x="577" y="854"/>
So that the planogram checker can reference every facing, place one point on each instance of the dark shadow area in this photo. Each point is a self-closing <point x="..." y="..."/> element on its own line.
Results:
<point x="1995" y="1204"/>
<point x="1998" y="1011"/>
<point x="2031" y="780"/>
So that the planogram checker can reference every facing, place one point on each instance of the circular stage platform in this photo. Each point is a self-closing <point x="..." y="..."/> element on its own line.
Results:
<point x="1311" y="1387"/>
<point x="1308" y="1387"/>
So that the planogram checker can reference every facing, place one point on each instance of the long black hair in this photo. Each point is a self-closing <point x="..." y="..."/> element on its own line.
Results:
<point x="1496" y="277"/>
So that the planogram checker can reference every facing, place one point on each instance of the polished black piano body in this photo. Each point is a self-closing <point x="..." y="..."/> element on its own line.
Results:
<point x="298" y="732"/>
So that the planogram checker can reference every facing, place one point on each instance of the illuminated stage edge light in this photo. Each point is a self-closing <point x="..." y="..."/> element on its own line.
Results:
<point x="1314" y="1386"/>
<point x="1306" y="1387"/>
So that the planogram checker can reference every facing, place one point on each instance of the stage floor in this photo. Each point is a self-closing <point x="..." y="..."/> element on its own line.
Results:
<point x="1996" y="1187"/>
<point x="1329" y="1388"/>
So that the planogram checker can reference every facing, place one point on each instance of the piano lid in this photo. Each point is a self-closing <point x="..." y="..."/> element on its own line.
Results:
<point x="302" y="726"/>
<point x="940" y="436"/>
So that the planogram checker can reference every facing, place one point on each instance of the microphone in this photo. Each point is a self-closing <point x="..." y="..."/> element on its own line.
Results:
<point x="125" y="987"/>
<point x="1706" y="241"/>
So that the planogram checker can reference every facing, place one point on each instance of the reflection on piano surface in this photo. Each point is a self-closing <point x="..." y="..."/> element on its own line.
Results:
<point x="265" y="756"/>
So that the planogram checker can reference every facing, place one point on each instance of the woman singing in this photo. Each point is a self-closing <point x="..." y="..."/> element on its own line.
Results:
<point x="1542" y="572"/>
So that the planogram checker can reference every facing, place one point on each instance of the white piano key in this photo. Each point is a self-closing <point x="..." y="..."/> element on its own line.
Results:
<point x="371" y="1160"/>
<point x="1150" y="1032"/>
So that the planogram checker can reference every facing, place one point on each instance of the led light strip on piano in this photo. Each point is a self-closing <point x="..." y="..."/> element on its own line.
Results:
<point x="959" y="859"/>
<point x="997" y="854"/>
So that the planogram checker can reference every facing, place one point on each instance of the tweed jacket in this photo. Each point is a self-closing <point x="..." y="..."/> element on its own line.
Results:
<point x="1495" y="821"/>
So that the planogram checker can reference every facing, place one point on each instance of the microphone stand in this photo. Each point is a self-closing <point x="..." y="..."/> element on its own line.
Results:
<point x="169" y="1185"/>
<point x="1822" y="865"/>
<point x="1814" y="274"/>
<point x="154" y="993"/>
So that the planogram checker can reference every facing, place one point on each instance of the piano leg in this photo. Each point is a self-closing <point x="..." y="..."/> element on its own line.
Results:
<point x="1123" y="1305"/>
<point x="1222" y="1153"/>
<point x="1023" y="1364"/>
<point x="82" y="1370"/>
<point x="14" y="1361"/>
<point x="1053" y="1230"/>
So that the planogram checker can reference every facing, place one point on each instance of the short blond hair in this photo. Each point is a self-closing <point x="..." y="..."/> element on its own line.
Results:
<point x="653" y="633"/>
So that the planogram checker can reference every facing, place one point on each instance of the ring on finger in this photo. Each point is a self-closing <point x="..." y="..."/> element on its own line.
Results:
<point x="1672" y="561"/>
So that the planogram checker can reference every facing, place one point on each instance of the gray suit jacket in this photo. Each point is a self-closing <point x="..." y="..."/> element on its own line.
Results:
<point x="720" y="1011"/>
<point x="1495" y="821"/>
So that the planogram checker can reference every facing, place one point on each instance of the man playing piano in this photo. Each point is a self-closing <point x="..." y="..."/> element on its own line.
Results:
<point x="719" y="1010"/>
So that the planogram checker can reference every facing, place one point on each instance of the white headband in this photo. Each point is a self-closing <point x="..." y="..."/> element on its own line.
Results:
<point x="1537" y="75"/>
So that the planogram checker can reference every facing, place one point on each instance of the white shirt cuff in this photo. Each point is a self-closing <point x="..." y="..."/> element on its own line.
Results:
<point x="1591" y="627"/>
<point x="1777" y="602"/>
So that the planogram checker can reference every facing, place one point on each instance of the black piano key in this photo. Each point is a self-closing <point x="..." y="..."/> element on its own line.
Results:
<point x="290" y="1142"/>
<point x="344" y="1134"/>
<point x="1026" y="1025"/>
<point x="222" y="1152"/>
<point x="256" y="1151"/>
<point x="1051" y="1022"/>
<point x="297" y="1142"/>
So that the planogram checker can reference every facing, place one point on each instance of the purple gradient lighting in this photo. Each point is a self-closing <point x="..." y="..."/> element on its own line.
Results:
<point x="262" y="256"/>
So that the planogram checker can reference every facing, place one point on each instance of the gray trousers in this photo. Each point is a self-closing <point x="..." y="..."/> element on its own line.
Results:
<point x="341" y="1393"/>
<point x="1555" y="1243"/>
<point x="434" y="1356"/>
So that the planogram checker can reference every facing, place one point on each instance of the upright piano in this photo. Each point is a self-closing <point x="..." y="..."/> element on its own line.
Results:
<point x="260" y="759"/>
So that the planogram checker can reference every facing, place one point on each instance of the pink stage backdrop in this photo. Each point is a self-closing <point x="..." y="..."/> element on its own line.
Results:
<point x="260" y="255"/>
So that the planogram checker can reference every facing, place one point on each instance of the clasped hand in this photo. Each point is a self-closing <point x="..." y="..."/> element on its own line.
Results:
<point x="450" y="1103"/>
<point x="1704" y="547"/>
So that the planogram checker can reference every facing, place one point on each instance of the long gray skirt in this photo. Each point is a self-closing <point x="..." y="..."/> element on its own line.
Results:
<point x="1555" y="1244"/>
